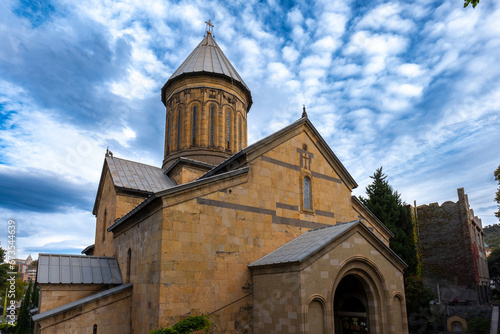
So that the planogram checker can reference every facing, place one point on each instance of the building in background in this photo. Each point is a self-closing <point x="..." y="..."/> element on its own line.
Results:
<point x="453" y="253"/>
<point x="27" y="271"/>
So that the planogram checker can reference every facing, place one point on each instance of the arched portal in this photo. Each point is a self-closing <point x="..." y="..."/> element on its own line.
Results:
<point x="351" y="309"/>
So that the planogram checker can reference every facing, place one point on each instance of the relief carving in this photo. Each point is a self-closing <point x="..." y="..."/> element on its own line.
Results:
<point x="212" y="94"/>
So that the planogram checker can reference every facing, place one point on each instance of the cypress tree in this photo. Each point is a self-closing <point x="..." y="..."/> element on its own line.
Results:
<point x="23" y="320"/>
<point x="387" y="205"/>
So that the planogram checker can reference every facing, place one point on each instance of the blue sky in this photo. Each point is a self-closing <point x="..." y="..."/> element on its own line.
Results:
<point x="408" y="85"/>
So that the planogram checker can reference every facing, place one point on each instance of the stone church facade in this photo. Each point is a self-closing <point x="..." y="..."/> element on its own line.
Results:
<point x="265" y="238"/>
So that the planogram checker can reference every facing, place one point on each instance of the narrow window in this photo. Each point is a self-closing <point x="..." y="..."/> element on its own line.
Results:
<point x="95" y="329"/>
<point x="211" y="126"/>
<point x="194" y="125"/>
<point x="307" y="193"/>
<point x="104" y="222"/>
<point x="129" y="261"/>
<point x="169" y="131"/>
<point x="228" y="129"/>
<point x="179" y="131"/>
<point x="239" y="133"/>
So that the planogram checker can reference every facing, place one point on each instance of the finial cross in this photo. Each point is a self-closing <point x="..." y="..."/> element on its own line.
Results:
<point x="209" y="26"/>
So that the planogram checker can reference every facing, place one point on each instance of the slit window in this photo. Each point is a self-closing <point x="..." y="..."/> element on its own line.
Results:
<point x="179" y="130"/>
<point x="194" y="125"/>
<point x="211" y="126"/>
<point x="228" y="129"/>
<point x="307" y="193"/>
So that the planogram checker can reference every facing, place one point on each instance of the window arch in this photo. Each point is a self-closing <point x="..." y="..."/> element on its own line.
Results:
<point x="179" y="127"/>
<point x="212" y="125"/>
<point x="169" y="132"/>
<point x="239" y="132"/>
<point x="316" y="317"/>
<point x="228" y="129"/>
<point x="129" y="264"/>
<point x="95" y="329"/>
<point x="104" y="222"/>
<point x="306" y="189"/>
<point x="194" y="126"/>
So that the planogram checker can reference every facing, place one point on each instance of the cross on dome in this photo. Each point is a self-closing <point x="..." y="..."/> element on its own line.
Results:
<point x="209" y="27"/>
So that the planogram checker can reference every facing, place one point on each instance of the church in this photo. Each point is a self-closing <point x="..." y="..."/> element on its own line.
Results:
<point x="265" y="238"/>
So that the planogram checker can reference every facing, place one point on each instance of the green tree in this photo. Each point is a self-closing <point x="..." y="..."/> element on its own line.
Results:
<point x="191" y="324"/>
<point x="23" y="319"/>
<point x="387" y="205"/>
<point x="494" y="263"/>
<point x="5" y="273"/>
<point x="497" y="197"/>
<point x="469" y="2"/>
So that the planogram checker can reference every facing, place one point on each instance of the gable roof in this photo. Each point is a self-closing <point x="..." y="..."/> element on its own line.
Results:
<point x="173" y="190"/>
<point x="81" y="302"/>
<point x="304" y="245"/>
<point x="137" y="176"/>
<point x="232" y="162"/>
<point x="77" y="269"/>
<point x="309" y="243"/>
<point x="133" y="176"/>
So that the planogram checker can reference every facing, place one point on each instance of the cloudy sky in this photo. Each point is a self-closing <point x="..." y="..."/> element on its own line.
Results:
<point x="408" y="85"/>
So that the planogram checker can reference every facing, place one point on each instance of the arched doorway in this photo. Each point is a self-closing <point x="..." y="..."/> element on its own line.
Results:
<point x="351" y="309"/>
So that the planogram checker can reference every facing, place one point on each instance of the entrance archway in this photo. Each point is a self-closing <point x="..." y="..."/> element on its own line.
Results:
<point x="351" y="307"/>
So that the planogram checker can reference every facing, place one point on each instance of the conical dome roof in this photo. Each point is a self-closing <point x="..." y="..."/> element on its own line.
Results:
<point x="207" y="57"/>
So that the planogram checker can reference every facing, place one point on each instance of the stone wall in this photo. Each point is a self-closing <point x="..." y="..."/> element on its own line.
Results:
<point x="211" y="233"/>
<point x="111" y="205"/>
<point x="138" y="252"/>
<point x="204" y="93"/>
<point x="284" y="295"/>
<point x="111" y="315"/>
<point x="452" y="251"/>
<point x="55" y="295"/>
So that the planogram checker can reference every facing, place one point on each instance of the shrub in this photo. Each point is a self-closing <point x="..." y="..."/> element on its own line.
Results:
<point x="186" y="326"/>
<point x="479" y="325"/>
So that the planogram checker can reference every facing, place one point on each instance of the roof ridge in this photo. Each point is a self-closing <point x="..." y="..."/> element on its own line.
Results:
<point x="249" y="148"/>
<point x="135" y="162"/>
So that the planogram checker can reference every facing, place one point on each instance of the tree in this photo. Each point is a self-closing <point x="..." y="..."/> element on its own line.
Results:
<point x="473" y="2"/>
<point x="497" y="197"/>
<point x="23" y="319"/>
<point x="387" y="205"/>
<point x="494" y="263"/>
<point x="5" y="273"/>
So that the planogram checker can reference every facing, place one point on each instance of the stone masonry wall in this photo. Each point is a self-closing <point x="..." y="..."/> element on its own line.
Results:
<point x="111" y="315"/>
<point x="447" y="251"/>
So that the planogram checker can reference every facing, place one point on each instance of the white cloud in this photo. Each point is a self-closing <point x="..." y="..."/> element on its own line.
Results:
<point x="386" y="17"/>
<point x="362" y="42"/>
<point x="38" y="139"/>
<point x="138" y="86"/>
<point x="290" y="54"/>
<point x="278" y="72"/>
<point x="406" y="90"/>
<point x="325" y="44"/>
<point x="295" y="17"/>
<point x="410" y="70"/>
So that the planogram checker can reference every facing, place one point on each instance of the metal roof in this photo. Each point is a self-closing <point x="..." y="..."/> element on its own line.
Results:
<point x="305" y="245"/>
<point x="208" y="57"/>
<point x="179" y="188"/>
<point x="77" y="269"/>
<point x="134" y="175"/>
<point x="81" y="302"/>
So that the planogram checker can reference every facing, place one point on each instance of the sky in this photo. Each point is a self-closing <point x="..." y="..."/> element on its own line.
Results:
<point x="408" y="85"/>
